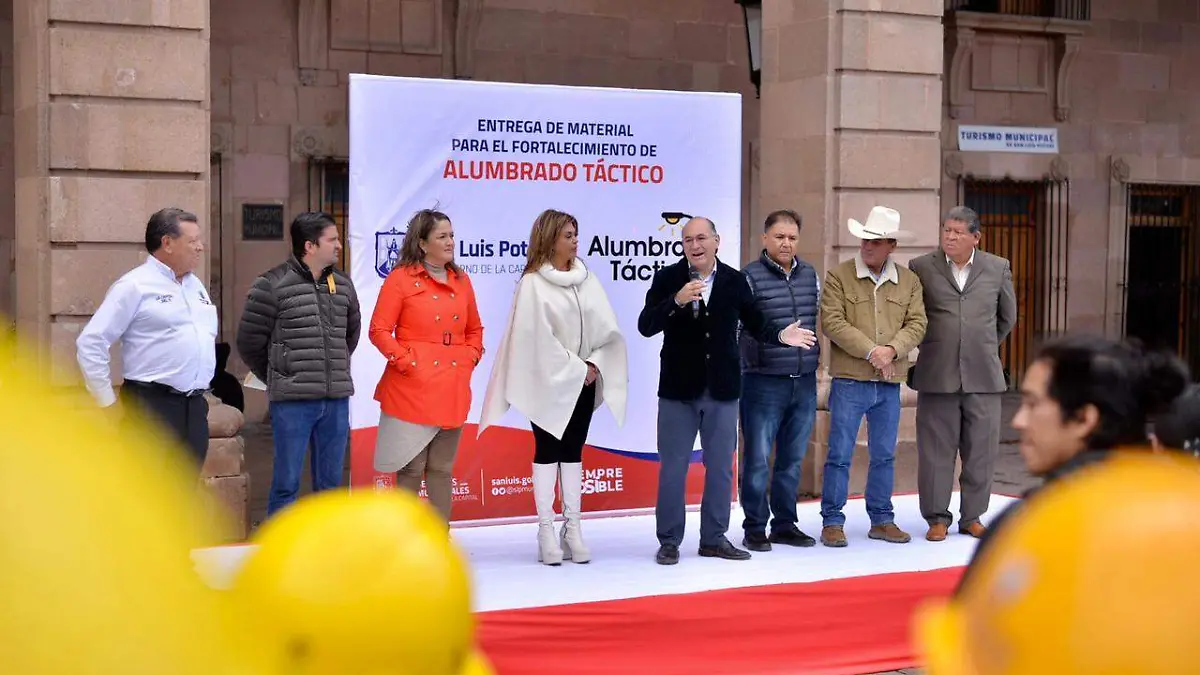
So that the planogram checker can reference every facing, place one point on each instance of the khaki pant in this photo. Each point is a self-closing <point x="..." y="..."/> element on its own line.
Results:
<point x="434" y="463"/>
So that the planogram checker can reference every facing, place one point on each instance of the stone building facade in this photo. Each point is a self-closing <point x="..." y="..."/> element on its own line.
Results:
<point x="110" y="109"/>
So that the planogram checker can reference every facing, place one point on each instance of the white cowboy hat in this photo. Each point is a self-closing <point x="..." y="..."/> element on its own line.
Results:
<point x="882" y="223"/>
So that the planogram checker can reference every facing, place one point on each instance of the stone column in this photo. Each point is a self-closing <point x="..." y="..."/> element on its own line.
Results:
<point x="111" y="124"/>
<point x="888" y="108"/>
<point x="851" y="119"/>
<point x="224" y="475"/>
<point x="796" y="135"/>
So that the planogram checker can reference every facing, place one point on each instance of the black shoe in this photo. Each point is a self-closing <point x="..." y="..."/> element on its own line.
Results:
<point x="724" y="550"/>
<point x="668" y="554"/>
<point x="756" y="541"/>
<point x="792" y="537"/>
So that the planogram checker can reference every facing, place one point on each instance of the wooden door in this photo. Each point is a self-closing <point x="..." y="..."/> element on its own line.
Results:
<point x="1010" y="214"/>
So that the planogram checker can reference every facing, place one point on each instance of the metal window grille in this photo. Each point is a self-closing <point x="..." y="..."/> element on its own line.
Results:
<point x="329" y="191"/>
<point x="1026" y="223"/>
<point x="216" y="252"/>
<point x="1161" y="299"/>
<point x="1076" y="10"/>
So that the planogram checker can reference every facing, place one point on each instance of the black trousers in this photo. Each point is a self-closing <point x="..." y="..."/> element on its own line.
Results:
<point x="569" y="450"/>
<point x="186" y="416"/>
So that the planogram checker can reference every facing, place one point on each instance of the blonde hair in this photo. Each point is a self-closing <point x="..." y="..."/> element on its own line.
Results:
<point x="546" y="229"/>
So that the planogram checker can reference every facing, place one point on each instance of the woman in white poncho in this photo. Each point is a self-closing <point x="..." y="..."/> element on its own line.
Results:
<point x="561" y="357"/>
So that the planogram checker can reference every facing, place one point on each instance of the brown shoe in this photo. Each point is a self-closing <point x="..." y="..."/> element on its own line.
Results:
<point x="975" y="529"/>
<point x="889" y="533"/>
<point x="937" y="532"/>
<point x="833" y="536"/>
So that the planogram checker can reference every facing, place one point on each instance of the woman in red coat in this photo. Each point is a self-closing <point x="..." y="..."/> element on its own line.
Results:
<point x="426" y="324"/>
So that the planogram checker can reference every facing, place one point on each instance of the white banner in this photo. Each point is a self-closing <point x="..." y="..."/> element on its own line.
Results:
<point x="492" y="156"/>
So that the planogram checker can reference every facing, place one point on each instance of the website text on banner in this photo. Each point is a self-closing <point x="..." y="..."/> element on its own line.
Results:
<point x="492" y="156"/>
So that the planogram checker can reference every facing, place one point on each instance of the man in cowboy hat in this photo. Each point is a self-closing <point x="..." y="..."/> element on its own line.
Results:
<point x="873" y="312"/>
<point x="960" y="381"/>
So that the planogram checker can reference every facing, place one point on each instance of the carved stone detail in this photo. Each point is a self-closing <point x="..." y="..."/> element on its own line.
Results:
<point x="963" y="40"/>
<point x="1120" y="169"/>
<point x="219" y="139"/>
<point x="1059" y="169"/>
<point x="952" y="165"/>
<point x="312" y="34"/>
<point x="388" y="26"/>
<point x="1067" y="49"/>
<point x="961" y="30"/>
<point x="467" y="14"/>
<point x="308" y="77"/>
<point x="421" y="26"/>
<point x="306" y="144"/>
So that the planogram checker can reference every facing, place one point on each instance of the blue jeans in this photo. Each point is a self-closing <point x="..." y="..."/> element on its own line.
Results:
<point x="777" y="411"/>
<point x="325" y="423"/>
<point x="849" y="401"/>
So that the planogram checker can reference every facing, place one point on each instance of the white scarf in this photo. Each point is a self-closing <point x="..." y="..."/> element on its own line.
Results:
<point x="559" y="322"/>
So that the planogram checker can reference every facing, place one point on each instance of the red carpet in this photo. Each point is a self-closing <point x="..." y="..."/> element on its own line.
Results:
<point x="836" y="627"/>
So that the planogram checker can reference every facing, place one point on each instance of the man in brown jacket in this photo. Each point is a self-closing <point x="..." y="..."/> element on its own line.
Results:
<point x="873" y="312"/>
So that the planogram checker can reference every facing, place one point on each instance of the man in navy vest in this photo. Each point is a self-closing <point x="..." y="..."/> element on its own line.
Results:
<point x="779" y="388"/>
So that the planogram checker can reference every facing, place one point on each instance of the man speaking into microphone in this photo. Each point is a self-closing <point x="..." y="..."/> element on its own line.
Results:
<point x="697" y="304"/>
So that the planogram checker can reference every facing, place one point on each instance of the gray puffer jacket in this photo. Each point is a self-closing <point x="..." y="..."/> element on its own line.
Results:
<point x="297" y="333"/>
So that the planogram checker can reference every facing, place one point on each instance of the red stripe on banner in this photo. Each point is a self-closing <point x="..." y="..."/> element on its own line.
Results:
<point x="836" y="627"/>
<point x="492" y="475"/>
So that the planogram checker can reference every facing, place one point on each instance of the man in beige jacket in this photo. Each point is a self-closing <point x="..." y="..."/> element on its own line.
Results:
<point x="873" y="312"/>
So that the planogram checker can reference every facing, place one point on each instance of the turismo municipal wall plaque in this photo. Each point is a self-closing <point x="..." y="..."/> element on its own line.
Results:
<point x="262" y="222"/>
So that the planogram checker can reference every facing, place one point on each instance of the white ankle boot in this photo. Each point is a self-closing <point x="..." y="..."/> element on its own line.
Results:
<point x="544" y="478"/>
<point x="571" y="483"/>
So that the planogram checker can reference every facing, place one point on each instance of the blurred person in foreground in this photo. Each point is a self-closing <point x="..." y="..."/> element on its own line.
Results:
<point x="426" y="324"/>
<point x="1082" y="398"/>
<point x="1179" y="428"/>
<point x="167" y="326"/>
<point x="561" y="358"/>
<point x="1094" y="577"/>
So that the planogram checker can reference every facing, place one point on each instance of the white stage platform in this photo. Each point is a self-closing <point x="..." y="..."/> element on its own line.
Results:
<point x="791" y="610"/>
<point x="507" y="575"/>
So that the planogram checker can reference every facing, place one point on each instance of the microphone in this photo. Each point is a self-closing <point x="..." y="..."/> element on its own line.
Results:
<point x="694" y="274"/>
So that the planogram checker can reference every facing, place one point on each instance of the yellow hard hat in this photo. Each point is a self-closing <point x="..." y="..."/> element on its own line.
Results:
<point x="351" y="584"/>
<point x="96" y="527"/>
<point x="1096" y="575"/>
<point x="477" y="664"/>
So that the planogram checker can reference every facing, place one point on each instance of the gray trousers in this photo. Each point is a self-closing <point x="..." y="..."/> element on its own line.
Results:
<point x="678" y="422"/>
<point x="949" y="425"/>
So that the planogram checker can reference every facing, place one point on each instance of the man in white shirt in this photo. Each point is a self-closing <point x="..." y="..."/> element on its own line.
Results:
<point x="167" y="326"/>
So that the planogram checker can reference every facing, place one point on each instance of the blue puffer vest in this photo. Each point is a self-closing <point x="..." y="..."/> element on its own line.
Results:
<point x="781" y="297"/>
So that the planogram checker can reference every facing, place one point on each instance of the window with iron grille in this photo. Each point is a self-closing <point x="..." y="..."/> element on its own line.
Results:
<point x="1076" y="10"/>
<point x="216" y="248"/>
<point x="329" y="191"/>
<point x="1026" y="223"/>
<point x="1162" y="268"/>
